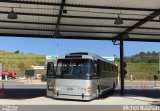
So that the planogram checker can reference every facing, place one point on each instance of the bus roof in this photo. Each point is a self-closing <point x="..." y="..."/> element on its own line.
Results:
<point x="95" y="57"/>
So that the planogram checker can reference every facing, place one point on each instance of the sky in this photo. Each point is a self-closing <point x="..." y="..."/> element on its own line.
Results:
<point x="63" y="46"/>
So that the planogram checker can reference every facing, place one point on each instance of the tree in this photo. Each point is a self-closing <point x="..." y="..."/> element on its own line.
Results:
<point x="142" y="53"/>
<point x="16" y="52"/>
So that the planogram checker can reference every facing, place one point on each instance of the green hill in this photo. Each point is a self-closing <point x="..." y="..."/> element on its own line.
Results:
<point x="20" y="62"/>
<point x="142" y="66"/>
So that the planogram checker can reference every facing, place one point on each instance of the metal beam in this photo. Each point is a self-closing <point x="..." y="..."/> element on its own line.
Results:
<point x="143" y="40"/>
<point x="74" y="37"/>
<point x="26" y="22"/>
<point x="140" y="23"/>
<point x="60" y="14"/>
<point x="78" y="17"/>
<point x="52" y="36"/>
<point x="76" y="31"/>
<point x="77" y="5"/>
<point x="74" y="25"/>
<point x="103" y="18"/>
<point x="30" y="14"/>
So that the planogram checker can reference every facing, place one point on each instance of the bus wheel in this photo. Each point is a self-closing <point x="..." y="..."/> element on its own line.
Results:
<point x="98" y="93"/>
<point x="114" y="85"/>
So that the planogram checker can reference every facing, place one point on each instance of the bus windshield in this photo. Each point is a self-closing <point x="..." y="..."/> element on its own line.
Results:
<point x="74" y="68"/>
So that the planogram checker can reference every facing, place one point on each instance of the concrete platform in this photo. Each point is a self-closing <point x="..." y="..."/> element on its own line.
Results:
<point x="114" y="99"/>
<point x="19" y="93"/>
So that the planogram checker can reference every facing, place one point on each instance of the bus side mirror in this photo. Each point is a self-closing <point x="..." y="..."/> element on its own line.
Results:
<point x="50" y="69"/>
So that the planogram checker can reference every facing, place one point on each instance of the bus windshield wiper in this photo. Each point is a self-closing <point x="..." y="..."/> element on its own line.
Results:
<point x="77" y="76"/>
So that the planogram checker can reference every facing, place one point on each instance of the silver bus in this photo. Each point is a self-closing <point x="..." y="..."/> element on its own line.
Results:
<point x="81" y="76"/>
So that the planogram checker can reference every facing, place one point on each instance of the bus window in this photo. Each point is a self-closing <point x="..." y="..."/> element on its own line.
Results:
<point x="94" y="68"/>
<point x="112" y="69"/>
<point x="74" y="67"/>
<point x="50" y="69"/>
<point x="99" y="69"/>
<point x="105" y="66"/>
<point x="108" y="67"/>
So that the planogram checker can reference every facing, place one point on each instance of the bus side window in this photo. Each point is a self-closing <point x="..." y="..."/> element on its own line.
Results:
<point x="64" y="69"/>
<point x="108" y="67"/>
<point x="95" y="68"/>
<point x="98" y="69"/>
<point x="112" y="68"/>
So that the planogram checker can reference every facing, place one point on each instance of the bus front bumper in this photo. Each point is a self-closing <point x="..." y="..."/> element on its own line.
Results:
<point x="73" y="97"/>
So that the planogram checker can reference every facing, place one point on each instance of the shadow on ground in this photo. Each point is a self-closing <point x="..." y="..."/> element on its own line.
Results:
<point x="23" y="93"/>
<point x="150" y="93"/>
<point x="32" y="93"/>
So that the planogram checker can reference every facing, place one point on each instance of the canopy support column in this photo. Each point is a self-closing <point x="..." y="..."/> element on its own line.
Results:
<point x="121" y="66"/>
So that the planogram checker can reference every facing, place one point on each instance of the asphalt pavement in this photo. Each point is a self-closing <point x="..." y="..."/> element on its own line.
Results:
<point x="28" y="90"/>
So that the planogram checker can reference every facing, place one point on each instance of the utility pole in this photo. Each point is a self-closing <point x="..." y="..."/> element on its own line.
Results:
<point x="0" y="71"/>
<point x="159" y="57"/>
<point x="57" y="50"/>
<point x="159" y="62"/>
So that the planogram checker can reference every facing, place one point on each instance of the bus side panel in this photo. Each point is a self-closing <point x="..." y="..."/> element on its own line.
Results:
<point x="50" y="86"/>
<point x="95" y="84"/>
<point x="108" y="80"/>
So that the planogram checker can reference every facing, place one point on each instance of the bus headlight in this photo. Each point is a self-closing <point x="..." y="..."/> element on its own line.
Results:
<point x="88" y="90"/>
<point x="55" y="88"/>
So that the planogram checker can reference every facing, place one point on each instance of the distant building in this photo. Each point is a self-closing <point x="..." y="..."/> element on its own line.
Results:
<point x="109" y="58"/>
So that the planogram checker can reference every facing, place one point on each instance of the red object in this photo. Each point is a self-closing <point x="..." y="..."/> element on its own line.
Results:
<point x="10" y="74"/>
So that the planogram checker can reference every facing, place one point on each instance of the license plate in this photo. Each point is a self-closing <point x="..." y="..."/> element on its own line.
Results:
<point x="70" y="89"/>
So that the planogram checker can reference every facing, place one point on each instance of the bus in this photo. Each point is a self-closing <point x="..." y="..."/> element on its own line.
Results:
<point x="81" y="76"/>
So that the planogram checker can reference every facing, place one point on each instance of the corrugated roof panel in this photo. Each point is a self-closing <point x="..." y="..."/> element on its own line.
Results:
<point x="95" y="22"/>
<point x="26" y="32"/>
<point x="48" y="1"/>
<point x="28" y="6"/>
<point x="119" y="3"/>
<point x="46" y="10"/>
<point x="25" y="18"/>
<point x="146" y="31"/>
<point x="106" y="13"/>
<point x="88" y="34"/>
<point x="92" y="29"/>
<point x="152" y="24"/>
<point x="101" y="10"/>
<point x="143" y="37"/>
<point x="30" y="10"/>
<point x="18" y="25"/>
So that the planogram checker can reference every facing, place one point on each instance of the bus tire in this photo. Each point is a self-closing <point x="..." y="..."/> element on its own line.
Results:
<point x="114" y="86"/>
<point x="98" y="93"/>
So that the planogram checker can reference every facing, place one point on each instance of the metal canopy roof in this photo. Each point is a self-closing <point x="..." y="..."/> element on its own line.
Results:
<point x="85" y="19"/>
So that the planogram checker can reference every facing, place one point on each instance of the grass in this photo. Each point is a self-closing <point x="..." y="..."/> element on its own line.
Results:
<point x="141" y="70"/>
<point x="20" y="62"/>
